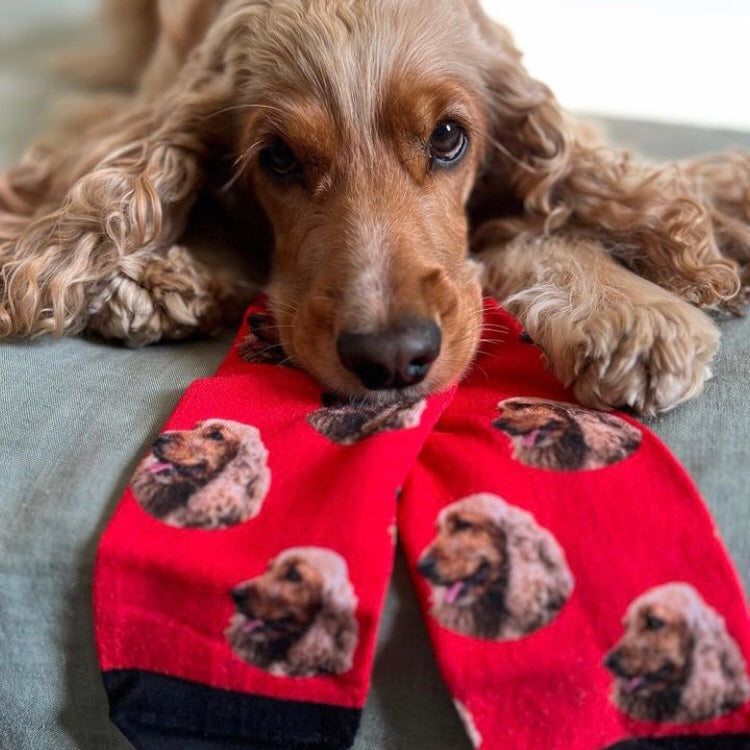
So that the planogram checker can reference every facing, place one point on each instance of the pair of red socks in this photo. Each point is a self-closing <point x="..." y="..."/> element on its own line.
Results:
<point x="576" y="594"/>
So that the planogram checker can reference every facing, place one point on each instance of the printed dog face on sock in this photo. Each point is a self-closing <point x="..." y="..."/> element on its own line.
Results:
<point x="297" y="619"/>
<point x="262" y="344"/>
<point x="210" y="477"/>
<point x="676" y="662"/>
<point x="346" y="423"/>
<point x="495" y="573"/>
<point x="565" y="437"/>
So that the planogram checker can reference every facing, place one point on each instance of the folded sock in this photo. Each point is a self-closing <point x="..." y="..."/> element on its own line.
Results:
<point x="575" y="590"/>
<point x="239" y="584"/>
<point x="574" y="586"/>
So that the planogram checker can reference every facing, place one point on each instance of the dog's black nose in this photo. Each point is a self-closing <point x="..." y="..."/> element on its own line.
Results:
<point x="426" y="566"/>
<point x="395" y="358"/>
<point x="238" y="596"/>
<point x="162" y="441"/>
<point x="612" y="662"/>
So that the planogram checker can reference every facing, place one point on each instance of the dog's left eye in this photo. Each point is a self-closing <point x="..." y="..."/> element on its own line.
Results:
<point x="279" y="160"/>
<point x="215" y="435"/>
<point x="654" y="623"/>
<point x="293" y="576"/>
<point x="448" y="144"/>
<point x="461" y="525"/>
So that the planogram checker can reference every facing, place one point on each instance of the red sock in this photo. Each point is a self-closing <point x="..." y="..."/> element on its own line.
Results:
<point x="201" y="648"/>
<point x="575" y="589"/>
<point x="239" y="583"/>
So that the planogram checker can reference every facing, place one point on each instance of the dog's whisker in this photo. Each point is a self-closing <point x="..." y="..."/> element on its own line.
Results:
<point x="491" y="341"/>
<point x="265" y="350"/>
<point x="246" y="106"/>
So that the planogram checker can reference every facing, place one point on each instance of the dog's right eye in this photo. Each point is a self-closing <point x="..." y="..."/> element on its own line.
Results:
<point x="654" y="623"/>
<point x="448" y="144"/>
<point x="293" y="575"/>
<point x="460" y="525"/>
<point x="279" y="160"/>
<point x="215" y="434"/>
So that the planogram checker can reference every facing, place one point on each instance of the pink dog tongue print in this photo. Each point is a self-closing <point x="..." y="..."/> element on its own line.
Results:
<point x="574" y="589"/>
<point x="454" y="591"/>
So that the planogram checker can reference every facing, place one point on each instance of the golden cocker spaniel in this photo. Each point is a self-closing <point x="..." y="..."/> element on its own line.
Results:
<point x="297" y="618"/>
<point x="384" y="160"/>
<point x="564" y="437"/>
<point x="676" y="661"/>
<point x="346" y="423"/>
<point x="494" y="572"/>
<point x="210" y="477"/>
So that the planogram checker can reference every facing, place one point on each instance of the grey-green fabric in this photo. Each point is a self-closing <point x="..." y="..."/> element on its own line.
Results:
<point x="76" y="414"/>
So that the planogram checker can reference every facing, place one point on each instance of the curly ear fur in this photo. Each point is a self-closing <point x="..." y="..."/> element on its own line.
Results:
<point x="71" y="216"/>
<point x="718" y="681"/>
<point x="610" y="438"/>
<point x="560" y="176"/>
<point x="328" y="645"/>
<point x="539" y="582"/>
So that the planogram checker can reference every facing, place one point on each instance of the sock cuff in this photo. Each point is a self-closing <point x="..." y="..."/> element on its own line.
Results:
<point x="151" y="709"/>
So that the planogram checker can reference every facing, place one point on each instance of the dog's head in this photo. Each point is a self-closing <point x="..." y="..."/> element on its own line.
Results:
<point x="654" y="655"/>
<point x="196" y="456"/>
<point x="280" y="606"/>
<point x="361" y="132"/>
<point x="469" y="554"/>
<point x="535" y="423"/>
<point x="347" y="423"/>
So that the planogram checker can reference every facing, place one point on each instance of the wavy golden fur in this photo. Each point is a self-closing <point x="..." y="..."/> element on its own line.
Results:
<point x="603" y="260"/>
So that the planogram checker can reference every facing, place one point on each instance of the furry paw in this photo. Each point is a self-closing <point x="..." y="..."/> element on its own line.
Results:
<point x="650" y="358"/>
<point x="157" y="297"/>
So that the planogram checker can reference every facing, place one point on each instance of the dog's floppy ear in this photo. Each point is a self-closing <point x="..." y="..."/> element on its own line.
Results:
<point x="122" y="185"/>
<point x="540" y="581"/>
<point x="329" y="643"/>
<point x="718" y="682"/>
<point x="147" y="180"/>
<point x="610" y="438"/>
<point x="531" y="140"/>
<point x="544" y="169"/>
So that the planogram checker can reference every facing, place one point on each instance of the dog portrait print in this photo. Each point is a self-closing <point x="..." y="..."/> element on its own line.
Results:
<point x="212" y="476"/>
<point x="494" y="572"/>
<point x="565" y="437"/>
<point x="262" y="345"/>
<point x="346" y="422"/>
<point x="297" y="618"/>
<point x="676" y="662"/>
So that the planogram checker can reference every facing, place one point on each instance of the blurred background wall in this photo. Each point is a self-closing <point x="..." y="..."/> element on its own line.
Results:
<point x="673" y="61"/>
<point x="684" y="61"/>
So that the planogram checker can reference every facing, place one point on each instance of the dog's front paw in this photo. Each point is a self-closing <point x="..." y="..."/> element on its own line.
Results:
<point x="649" y="358"/>
<point x="155" y="297"/>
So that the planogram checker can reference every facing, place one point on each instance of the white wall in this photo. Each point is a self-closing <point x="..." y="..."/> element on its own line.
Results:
<point x="670" y="60"/>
